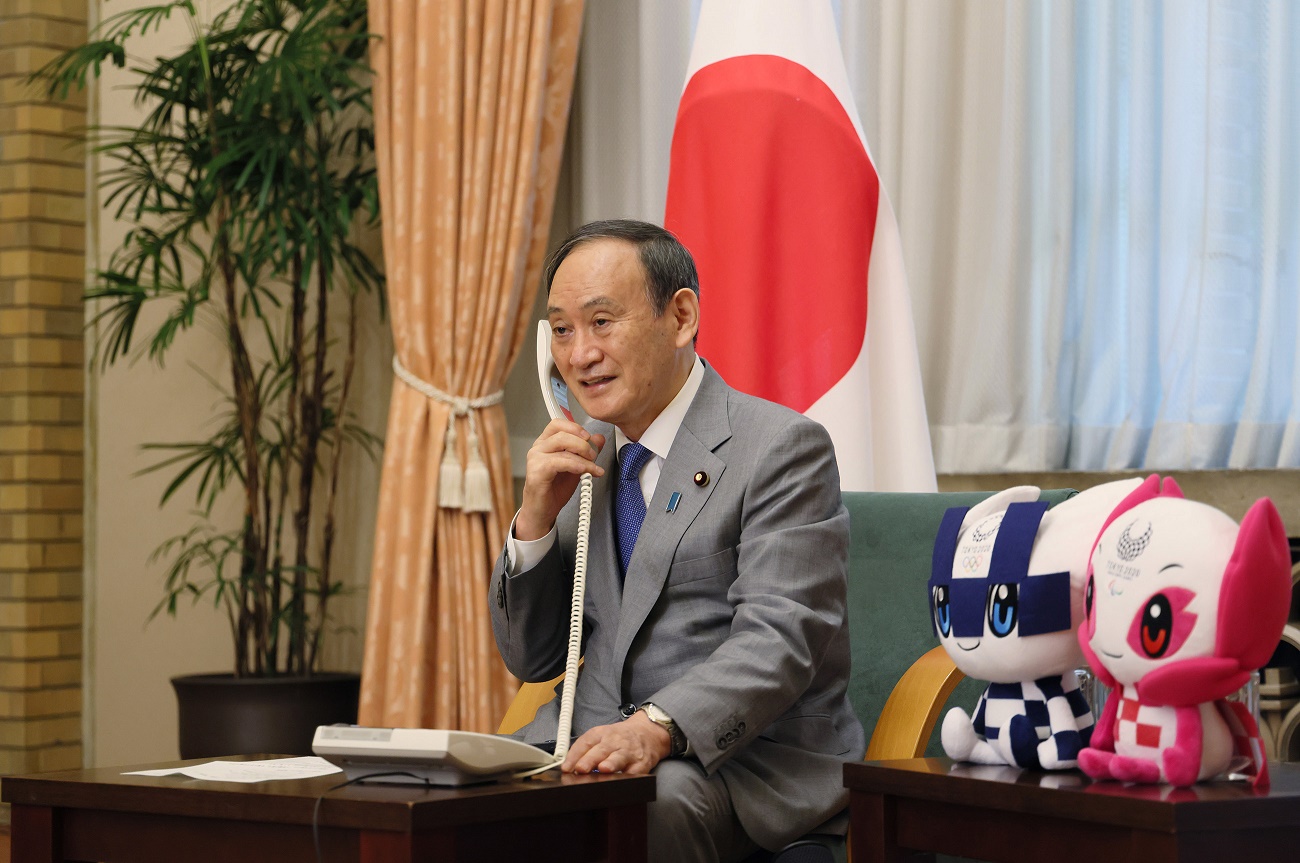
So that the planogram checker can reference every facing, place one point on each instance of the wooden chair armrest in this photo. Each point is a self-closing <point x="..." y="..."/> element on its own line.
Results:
<point x="527" y="700"/>
<point x="908" y="718"/>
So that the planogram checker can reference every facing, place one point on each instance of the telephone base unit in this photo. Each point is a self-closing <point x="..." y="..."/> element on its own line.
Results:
<point x="423" y="755"/>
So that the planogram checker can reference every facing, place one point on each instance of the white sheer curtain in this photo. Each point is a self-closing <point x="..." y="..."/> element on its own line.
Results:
<point x="1099" y="203"/>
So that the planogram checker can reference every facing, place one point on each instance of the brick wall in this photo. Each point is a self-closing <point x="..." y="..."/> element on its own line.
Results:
<point x="42" y="266"/>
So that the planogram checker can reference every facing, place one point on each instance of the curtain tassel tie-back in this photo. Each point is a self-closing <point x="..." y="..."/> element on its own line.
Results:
<point x="468" y="489"/>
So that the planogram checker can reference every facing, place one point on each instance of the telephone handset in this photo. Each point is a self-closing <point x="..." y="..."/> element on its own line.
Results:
<point x="555" y="392"/>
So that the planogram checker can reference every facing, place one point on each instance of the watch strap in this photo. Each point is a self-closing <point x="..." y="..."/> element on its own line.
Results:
<point x="657" y="715"/>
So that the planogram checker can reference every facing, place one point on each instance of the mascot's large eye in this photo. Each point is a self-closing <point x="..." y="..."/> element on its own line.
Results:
<point x="1157" y="626"/>
<point x="942" y="611"/>
<point x="1004" y="608"/>
<point x="1087" y="600"/>
<point x="1162" y="625"/>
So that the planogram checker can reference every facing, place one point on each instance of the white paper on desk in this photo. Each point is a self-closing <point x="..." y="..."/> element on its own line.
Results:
<point x="249" y="771"/>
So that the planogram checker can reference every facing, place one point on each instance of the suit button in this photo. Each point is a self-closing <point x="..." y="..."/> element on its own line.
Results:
<point x="501" y="596"/>
<point x="627" y="709"/>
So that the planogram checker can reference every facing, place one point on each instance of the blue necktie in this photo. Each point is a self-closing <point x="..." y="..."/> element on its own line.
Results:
<point x="629" y="502"/>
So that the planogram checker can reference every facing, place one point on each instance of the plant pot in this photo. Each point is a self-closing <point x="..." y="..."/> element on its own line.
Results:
<point x="221" y="714"/>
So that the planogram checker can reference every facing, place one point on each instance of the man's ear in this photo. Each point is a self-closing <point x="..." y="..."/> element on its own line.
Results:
<point x="685" y="309"/>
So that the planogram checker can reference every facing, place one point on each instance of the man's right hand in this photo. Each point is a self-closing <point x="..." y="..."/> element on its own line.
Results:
<point x="556" y="462"/>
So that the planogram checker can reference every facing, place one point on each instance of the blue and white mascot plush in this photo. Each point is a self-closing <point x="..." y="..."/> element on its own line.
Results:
<point x="1007" y="598"/>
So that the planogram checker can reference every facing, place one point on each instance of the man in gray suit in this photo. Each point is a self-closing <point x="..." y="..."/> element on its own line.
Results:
<point x="716" y="647"/>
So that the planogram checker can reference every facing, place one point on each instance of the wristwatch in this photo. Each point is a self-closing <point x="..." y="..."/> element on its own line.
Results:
<point x="656" y="714"/>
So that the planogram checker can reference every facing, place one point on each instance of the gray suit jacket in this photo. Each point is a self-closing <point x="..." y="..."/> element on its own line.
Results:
<point x="732" y="617"/>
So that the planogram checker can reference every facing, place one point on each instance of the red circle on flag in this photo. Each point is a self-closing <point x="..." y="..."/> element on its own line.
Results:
<point x="772" y="191"/>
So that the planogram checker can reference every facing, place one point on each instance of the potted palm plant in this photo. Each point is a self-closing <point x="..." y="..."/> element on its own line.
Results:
<point x="248" y="184"/>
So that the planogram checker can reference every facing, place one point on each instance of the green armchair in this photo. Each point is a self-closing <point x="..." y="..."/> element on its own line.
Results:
<point x="901" y="680"/>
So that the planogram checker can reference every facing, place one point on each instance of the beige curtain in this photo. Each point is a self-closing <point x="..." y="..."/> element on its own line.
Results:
<point x="471" y="102"/>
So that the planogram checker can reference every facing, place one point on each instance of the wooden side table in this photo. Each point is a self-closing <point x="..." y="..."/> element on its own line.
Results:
<point x="102" y="815"/>
<point x="1008" y="815"/>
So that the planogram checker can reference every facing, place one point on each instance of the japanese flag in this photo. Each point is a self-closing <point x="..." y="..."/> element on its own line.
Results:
<point x="803" y="294"/>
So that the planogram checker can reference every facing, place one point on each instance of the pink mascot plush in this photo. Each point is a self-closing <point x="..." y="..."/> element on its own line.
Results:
<point x="1181" y="606"/>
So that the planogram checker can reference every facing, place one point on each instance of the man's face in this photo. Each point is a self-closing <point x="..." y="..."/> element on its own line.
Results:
<point x="622" y="362"/>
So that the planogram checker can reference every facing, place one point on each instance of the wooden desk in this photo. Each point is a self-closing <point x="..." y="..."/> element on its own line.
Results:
<point x="1007" y="815"/>
<point x="101" y="815"/>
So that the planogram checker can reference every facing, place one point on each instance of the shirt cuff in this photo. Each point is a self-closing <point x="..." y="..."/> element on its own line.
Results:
<point x="523" y="554"/>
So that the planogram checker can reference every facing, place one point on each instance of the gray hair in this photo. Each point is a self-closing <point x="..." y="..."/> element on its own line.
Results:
<point x="667" y="264"/>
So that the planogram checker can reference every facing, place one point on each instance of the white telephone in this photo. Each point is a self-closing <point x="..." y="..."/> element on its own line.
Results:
<point x="437" y="757"/>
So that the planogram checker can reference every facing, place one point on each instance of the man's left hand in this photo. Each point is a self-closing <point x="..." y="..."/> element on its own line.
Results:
<point x="634" y="745"/>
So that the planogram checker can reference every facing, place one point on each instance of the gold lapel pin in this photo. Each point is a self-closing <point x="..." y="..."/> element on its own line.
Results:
<point x="701" y="478"/>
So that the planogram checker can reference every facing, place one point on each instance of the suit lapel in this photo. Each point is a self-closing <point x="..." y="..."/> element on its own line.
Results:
<point x="704" y="429"/>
